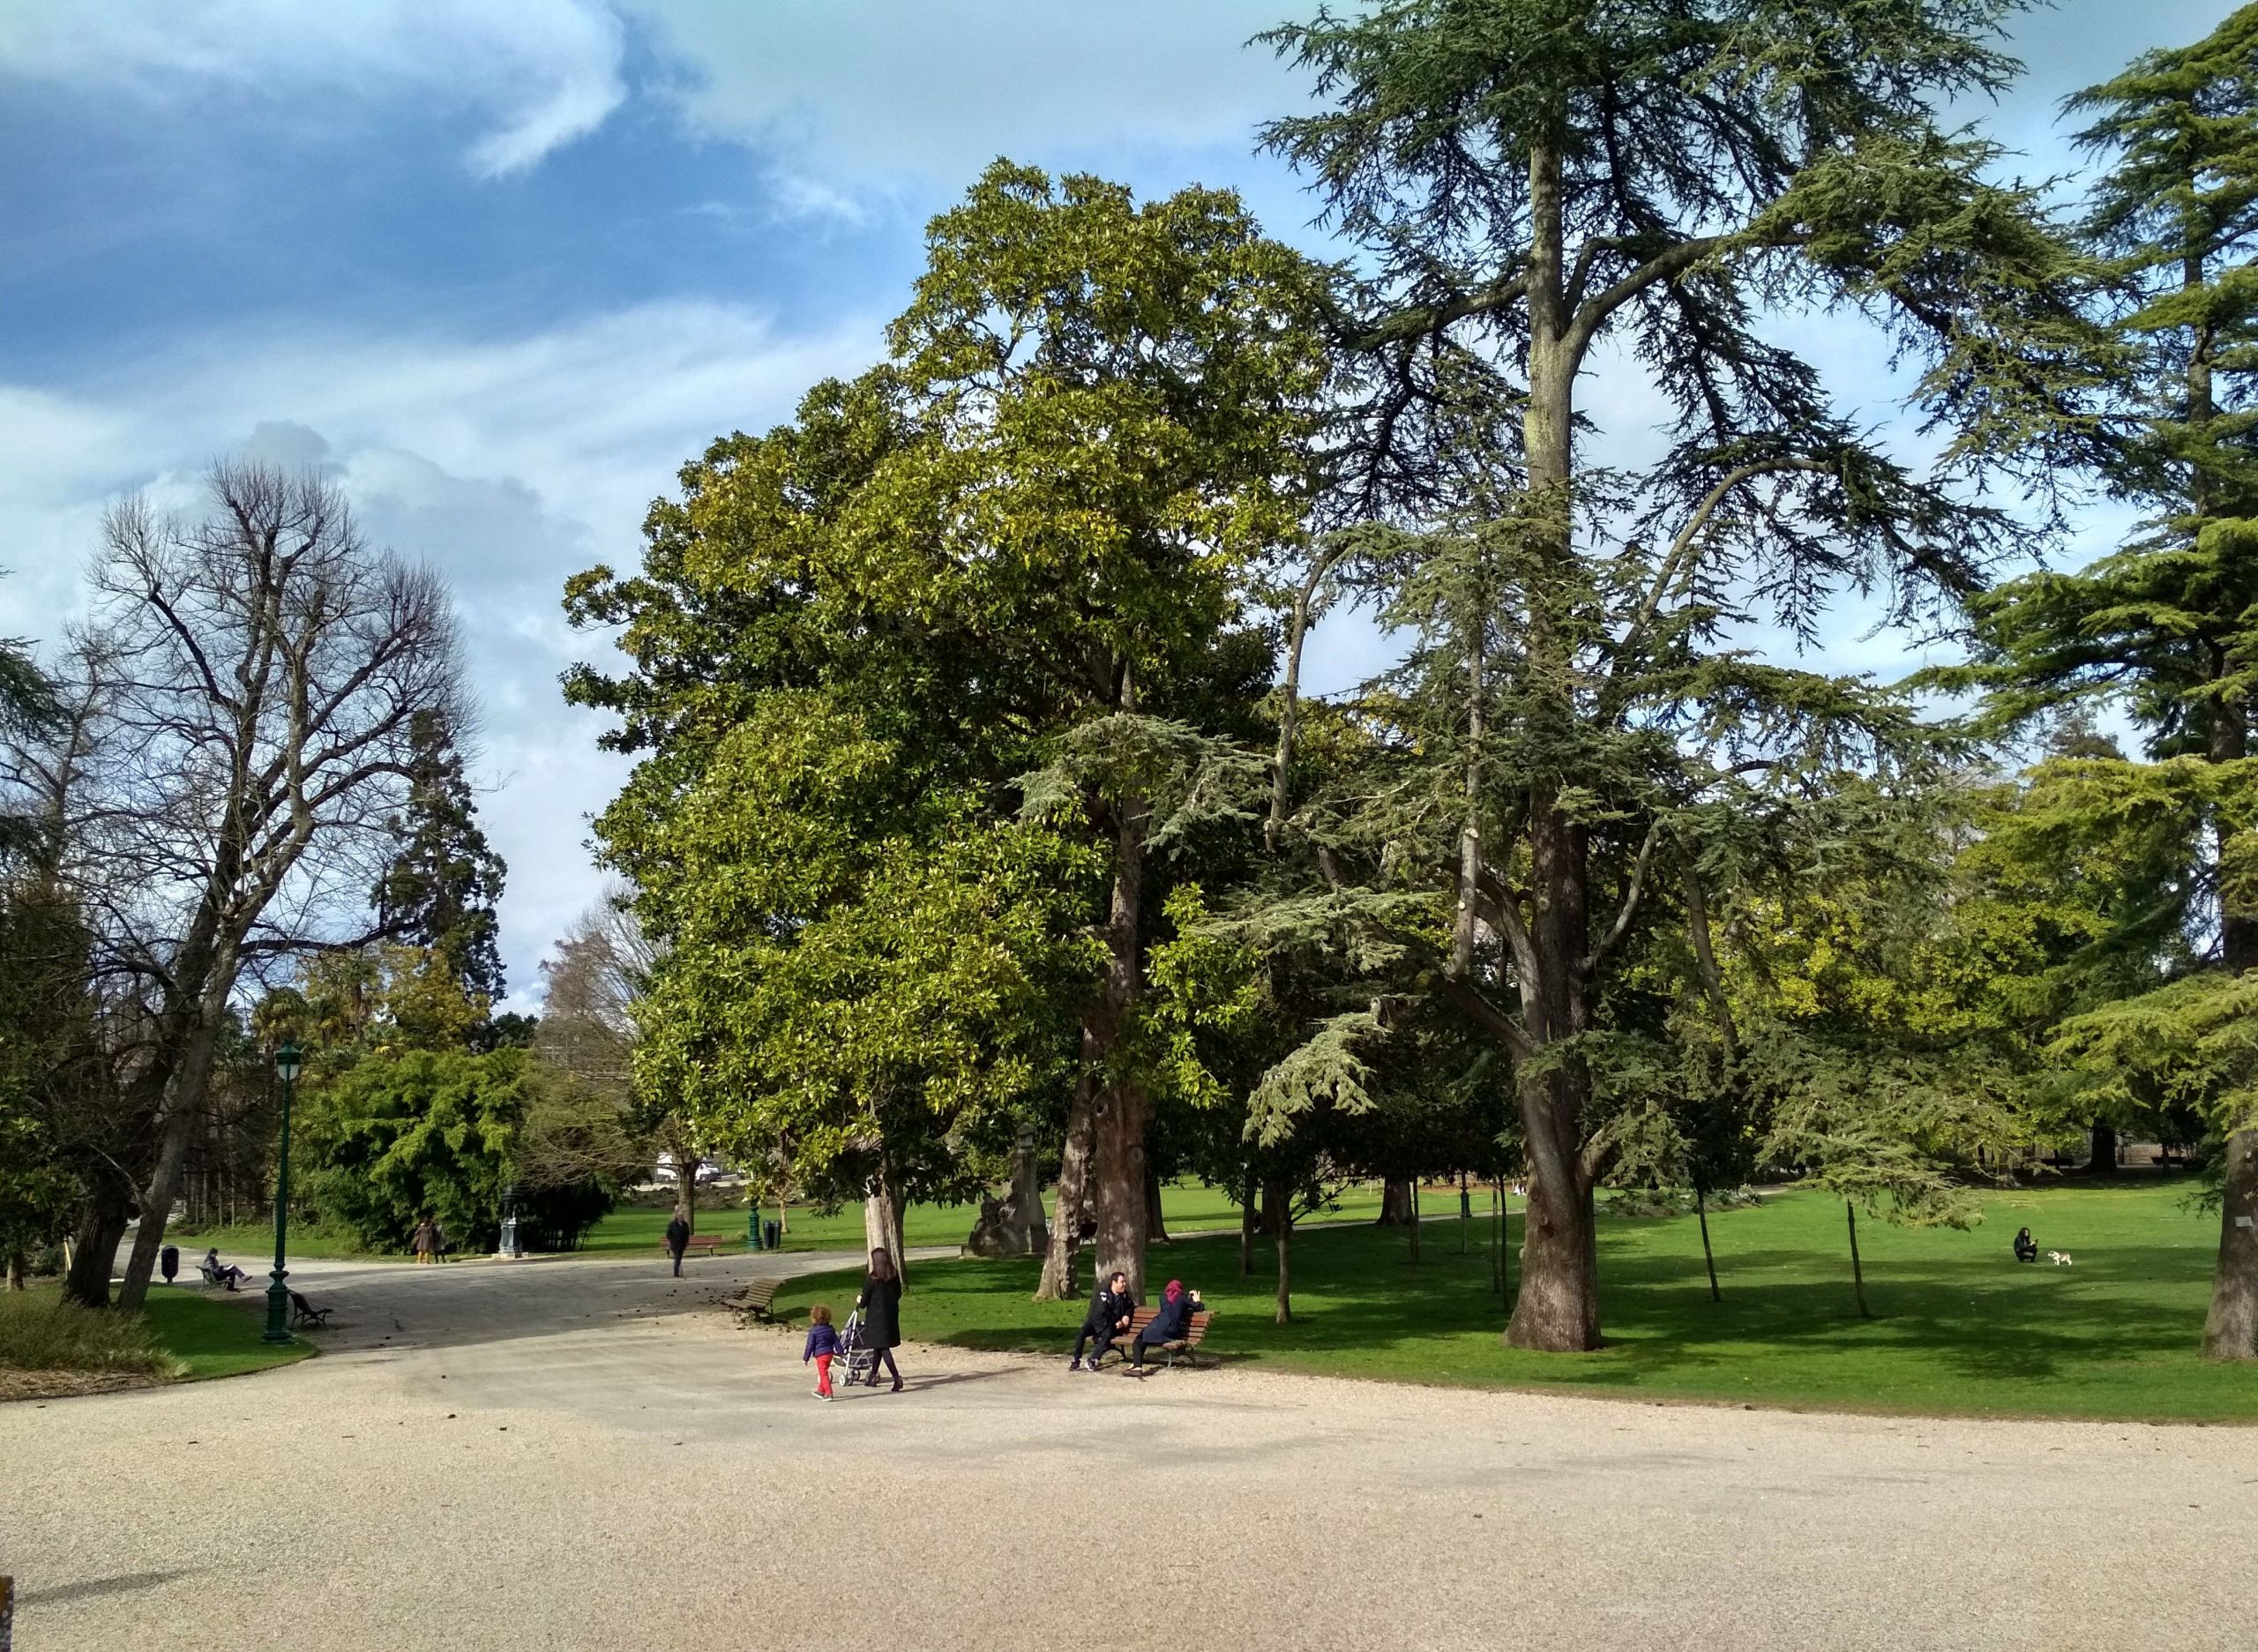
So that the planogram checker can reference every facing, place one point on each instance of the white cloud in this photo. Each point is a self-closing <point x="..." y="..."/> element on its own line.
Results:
<point x="866" y="91"/>
<point x="542" y="73"/>
<point x="507" y="465"/>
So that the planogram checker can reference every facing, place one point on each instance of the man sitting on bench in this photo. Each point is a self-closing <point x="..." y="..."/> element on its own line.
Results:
<point x="2026" y="1248"/>
<point x="1171" y="1324"/>
<point x="221" y="1273"/>
<point x="1112" y="1313"/>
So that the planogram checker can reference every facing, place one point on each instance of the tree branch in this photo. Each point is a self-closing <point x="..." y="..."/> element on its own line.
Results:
<point x="1630" y="909"/>
<point x="1429" y="318"/>
<point x="1488" y="1016"/>
<point x="1682" y="544"/>
<point x="1502" y="911"/>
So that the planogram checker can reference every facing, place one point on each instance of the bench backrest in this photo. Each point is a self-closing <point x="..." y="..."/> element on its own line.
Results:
<point x="763" y="1290"/>
<point x="1144" y="1316"/>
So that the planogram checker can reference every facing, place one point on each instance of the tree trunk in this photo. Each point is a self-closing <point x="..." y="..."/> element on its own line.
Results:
<point x="184" y="1103"/>
<point x="1278" y="1213"/>
<point x="15" y="1270"/>
<point x="2104" y="1156"/>
<point x="156" y="1210"/>
<point x="1394" y="1203"/>
<point x="1858" y="1272"/>
<point x="1119" y="1165"/>
<point x="1122" y="1110"/>
<point x="1558" y="1310"/>
<point x="882" y="1213"/>
<point x="2230" y="1329"/>
<point x="1246" y="1229"/>
<point x="1155" y="1222"/>
<point x="101" y="1224"/>
<point x="1708" y="1257"/>
<point x="1059" y="1282"/>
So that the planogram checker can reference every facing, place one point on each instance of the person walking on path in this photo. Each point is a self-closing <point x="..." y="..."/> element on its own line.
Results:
<point x="426" y="1242"/>
<point x="678" y="1238"/>
<point x="1111" y="1311"/>
<point x="1171" y="1324"/>
<point x="822" y="1347"/>
<point x="880" y="1307"/>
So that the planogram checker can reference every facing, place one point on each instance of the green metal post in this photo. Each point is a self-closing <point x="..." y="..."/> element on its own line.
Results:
<point x="278" y="1294"/>
<point x="752" y="1227"/>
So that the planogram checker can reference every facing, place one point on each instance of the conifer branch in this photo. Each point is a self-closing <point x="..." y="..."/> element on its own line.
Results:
<point x="1631" y="898"/>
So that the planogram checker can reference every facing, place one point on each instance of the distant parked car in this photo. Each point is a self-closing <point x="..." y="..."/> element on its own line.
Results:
<point x="707" y="1170"/>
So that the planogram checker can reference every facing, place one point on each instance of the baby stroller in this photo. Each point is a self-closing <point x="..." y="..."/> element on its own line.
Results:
<point x="859" y="1358"/>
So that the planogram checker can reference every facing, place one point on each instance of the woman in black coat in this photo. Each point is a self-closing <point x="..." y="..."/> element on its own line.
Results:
<point x="880" y="1307"/>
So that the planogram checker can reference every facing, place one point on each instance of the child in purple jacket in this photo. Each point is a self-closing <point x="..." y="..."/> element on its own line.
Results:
<point x="823" y="1344"/>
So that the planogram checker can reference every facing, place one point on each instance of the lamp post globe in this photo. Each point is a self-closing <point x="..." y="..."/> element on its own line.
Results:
<point x="287" y="1059"/>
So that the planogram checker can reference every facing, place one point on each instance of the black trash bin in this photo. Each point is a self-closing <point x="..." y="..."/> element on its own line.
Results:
<point x="772" y="1234"/>
<point x="168" y="1262"/>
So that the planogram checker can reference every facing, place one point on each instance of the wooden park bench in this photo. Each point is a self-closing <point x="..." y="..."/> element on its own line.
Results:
<point x="303" y="1313"/>
<point x="758" y="1301"/>
<point x="1186" y="1345"/>
<point x="710" y="1243"/>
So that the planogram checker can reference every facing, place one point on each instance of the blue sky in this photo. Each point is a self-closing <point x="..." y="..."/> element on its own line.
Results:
<point x="504" y="265"/>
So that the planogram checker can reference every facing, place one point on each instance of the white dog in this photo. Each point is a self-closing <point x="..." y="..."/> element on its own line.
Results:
<point x="2060" y="1258"/>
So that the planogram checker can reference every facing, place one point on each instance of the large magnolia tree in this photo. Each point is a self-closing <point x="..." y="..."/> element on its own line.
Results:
<point x="1007" y="571"/>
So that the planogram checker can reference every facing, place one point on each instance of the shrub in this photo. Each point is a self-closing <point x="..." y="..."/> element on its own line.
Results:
<point x="40" y="1334"/>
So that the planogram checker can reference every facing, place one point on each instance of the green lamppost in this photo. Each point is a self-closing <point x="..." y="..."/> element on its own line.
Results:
<point x="278" y="1294"/>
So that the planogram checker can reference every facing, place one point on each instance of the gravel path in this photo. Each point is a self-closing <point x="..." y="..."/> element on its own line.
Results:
<point x="583" y="1453"/>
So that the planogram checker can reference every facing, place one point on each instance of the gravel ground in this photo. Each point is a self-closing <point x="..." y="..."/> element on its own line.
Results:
<point x="586" y="1454"/>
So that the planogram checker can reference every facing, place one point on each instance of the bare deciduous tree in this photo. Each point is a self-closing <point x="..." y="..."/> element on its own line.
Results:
<point x="258" y="670"/>
<point x="586" y="1040"/>
<point x="595" y="975"/>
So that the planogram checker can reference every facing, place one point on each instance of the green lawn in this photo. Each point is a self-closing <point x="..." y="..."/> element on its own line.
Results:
<point x="1187" y="1205"/>
<point x="1959" y="1328"/>
<point x="215" y="1334"/>
<point x="203" y="1333"/>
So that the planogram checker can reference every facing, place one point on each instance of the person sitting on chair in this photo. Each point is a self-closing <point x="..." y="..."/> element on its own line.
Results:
<point x="1171" y="1324"/>
<point x="2026" y="1248"/>
<point x="221" y="1273"/>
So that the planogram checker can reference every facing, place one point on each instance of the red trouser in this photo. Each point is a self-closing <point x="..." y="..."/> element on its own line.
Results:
<point x="823" y="1374"/>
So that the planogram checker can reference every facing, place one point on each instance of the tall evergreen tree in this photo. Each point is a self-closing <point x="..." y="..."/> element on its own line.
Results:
<point x="440" y="889"/>
<point x="2167" y="628"/>
<point x="1555" y="195"/>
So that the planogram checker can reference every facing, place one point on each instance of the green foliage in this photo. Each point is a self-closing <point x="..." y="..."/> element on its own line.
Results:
<point x="28" y="711"/>
<point x="393" y="1139"/>
<point x="439" y="892"/>
<point x="46" y="1016"/>
<point x="2154" y="861"/>
<point x="908" y="673"/>
<point x="2193" y="1042"/>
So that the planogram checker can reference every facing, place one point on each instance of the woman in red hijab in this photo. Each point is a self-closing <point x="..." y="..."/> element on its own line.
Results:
<point x="1171" y="1324"/>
